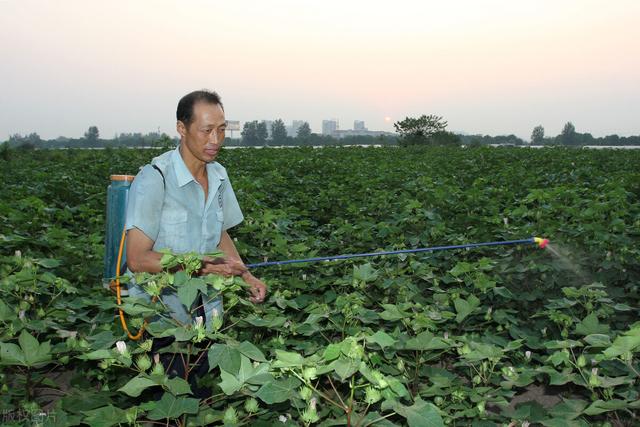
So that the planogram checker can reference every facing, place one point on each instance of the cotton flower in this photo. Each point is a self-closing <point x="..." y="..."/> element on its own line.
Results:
<point x="199" y="321"/>
<point x="121" y="346"/>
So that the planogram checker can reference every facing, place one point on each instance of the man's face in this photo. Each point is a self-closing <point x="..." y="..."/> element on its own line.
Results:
<point x="204" y="136"/>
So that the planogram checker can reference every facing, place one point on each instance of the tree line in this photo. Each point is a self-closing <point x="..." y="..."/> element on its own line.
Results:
<point x="423" y="130"/>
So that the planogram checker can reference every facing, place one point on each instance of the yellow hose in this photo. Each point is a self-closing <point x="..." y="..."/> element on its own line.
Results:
<point x="119" y="298"/>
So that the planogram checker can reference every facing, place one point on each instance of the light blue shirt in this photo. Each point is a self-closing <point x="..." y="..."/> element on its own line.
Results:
<point x="176" y="215"/>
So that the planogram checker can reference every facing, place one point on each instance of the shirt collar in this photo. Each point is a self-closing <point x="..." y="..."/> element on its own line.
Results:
<point x="183" y="174"/>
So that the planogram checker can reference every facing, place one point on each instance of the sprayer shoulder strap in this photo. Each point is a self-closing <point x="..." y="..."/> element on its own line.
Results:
<point x="164" y="184"/>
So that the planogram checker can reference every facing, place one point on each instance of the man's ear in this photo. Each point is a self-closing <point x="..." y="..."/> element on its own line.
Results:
<point x="181" y="128"/>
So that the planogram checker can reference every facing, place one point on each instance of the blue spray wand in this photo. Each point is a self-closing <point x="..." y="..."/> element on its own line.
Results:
<point x="537" y="240"/>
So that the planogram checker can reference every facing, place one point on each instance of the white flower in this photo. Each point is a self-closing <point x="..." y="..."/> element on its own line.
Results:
<point x="313" y="402"/>
<point x="121" y="346"/>
<point x="215" y="312"/>
<point x="282" y="419"/>
<point x="446" y="335"/>
<point x="199" y="321"/>
<point x="527" y="354"/>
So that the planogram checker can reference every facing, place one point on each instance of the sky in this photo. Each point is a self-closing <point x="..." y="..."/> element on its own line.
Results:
<point x="491" y="67"/>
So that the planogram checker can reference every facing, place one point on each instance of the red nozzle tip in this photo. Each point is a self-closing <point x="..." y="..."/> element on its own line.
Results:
<point x="543" y="243"/>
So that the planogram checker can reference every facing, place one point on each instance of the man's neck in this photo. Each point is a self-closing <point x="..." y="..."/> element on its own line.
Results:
<point x="198" y="168"/>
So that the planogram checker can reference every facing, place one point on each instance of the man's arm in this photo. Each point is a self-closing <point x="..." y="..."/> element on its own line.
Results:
<point x="141" y="257"/>
<point x="258" y="288"/>
<point x="140" y="254"/>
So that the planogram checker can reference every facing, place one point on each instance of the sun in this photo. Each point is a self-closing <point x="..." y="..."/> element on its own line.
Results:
<point x="387" y="119"/>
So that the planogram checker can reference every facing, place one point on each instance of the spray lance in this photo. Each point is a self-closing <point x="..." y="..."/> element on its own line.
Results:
<point x="117" y="194"/>
<point x="541" y="242"/>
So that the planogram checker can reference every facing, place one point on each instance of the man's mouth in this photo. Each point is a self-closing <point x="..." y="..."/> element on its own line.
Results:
<point x="211" y="152"/>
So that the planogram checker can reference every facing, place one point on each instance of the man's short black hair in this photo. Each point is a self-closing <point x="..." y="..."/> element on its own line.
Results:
<point x="184" y="113"/>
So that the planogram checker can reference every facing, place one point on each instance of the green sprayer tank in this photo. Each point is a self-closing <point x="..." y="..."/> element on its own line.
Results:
<point x="117" y="194"/>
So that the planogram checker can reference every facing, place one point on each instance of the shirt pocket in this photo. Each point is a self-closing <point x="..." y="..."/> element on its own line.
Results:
<point x="174" y="232"/>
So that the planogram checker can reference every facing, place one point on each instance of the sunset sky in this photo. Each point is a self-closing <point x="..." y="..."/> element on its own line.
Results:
<point x="489" y="67"/>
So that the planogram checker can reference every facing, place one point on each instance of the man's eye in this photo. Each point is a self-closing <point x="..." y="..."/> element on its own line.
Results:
<point x="222" y="129"/>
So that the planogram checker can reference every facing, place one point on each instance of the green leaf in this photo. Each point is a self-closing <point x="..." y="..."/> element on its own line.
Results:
<point x="421" y="414"/>
<point x="568" y="409"/>
<point x="170" y="407"/>
<point x="482" y="351"/>
<point x="365" y="273"/>
<point x="11" y="354"/>
<point x="392" y="312"/>
<point x="331" y="352"/>
<point x="251" y="351"/>
<point x="598" y="340"/>
<point x="5" y="312"/>
<point x="285" y="359"/>
<point x="137" y="385"/>
<point x="278" y="391"/>
<point x="461" y="268"/>
<point x="97" y="355"/>
<point x="590" y="325"/>
<point x="465" y="307"/>
<point x="601" y="406"/>
<point x="105" y="417"/>
<point x="34" y="352"/>
<point x="177" y="386"/>
<point x="426" y="341"/>
<point x="188" y="292"/>
<point x="229" y="383"/>
<point x="624" y="344"/>
<point x="48" y="262"/>
<point x="345" y="367"/>
<point x="382" y="339"/>
<point x="227" y="357"/>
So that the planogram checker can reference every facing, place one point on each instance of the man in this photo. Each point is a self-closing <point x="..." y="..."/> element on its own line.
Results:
<point x="184" y="201"/>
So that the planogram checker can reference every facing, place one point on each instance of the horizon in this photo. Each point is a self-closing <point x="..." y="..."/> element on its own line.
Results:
<point x="493" y="69"/>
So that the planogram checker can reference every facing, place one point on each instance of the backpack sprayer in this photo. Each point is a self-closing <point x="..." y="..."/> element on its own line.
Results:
<point x="117" y="194"/>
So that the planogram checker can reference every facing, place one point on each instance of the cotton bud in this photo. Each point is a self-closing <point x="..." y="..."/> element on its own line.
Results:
<point x="230" y="416"/>
<point x="527" y="355"/>
<point x="582" y="361"/>
<point x="310" y="415"/>
<point x="143" y="363"/>
<point x="306" y="393"/>
<point x="158" y="369"/>
<point x="372" y="395"/>
<point x="251" y="405"/>
<point x="310" y="373"/>
<point x="146" y="345"/>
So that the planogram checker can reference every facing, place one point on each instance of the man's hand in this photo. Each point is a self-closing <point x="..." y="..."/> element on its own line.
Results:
<point x="223" y="266"/>
<point x="258" y="288"/>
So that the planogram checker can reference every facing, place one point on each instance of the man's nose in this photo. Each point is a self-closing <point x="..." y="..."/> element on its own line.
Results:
<point x="215" y="139"/>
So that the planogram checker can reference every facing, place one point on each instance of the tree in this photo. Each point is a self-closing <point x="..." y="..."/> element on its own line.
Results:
<point x="304" y="132"/>
<point x="262" y="133"/>
<point x="537" y="136"/>
<point x="419" y="131"/>
<point x="568" y="135"/>
<point x="278" y="132"/>
<point x="250" y="133"/>
<point x="92" y="134"/>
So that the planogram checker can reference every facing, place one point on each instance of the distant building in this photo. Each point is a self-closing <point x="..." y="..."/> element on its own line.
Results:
<point x="329" y="127"/>
<point x="339" y="134"/>
<point x="359" y="125"/>
<point x="292" y="130"/>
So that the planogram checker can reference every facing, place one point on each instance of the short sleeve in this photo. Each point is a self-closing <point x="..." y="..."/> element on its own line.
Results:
<point x="144" y="205"/>
<point x="230" y="208"/>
